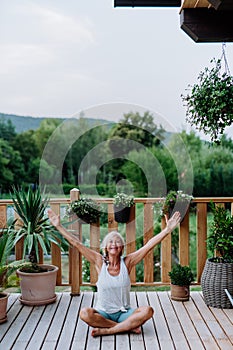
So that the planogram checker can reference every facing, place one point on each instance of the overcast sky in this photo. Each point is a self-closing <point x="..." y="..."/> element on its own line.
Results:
<point x="59" y="57"/>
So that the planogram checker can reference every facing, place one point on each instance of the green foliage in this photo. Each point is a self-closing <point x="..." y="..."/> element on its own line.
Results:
<point x="220" y="239"/>
<point x="25" y="144"/>
<point x="45" y="130"/>
<point x="34" y="227"/>
<point x="86" y="210"/>
<point x="20" y="162"/>
<point x="11" y="165"/>
<point x="181" y="275"/>
<point x="7" y="268"/>
<point x="210" y="102"/>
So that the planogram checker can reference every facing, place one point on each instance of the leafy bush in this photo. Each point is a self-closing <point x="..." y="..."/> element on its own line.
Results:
<point x="220" y="239"/>
<point x="181" y="275"/>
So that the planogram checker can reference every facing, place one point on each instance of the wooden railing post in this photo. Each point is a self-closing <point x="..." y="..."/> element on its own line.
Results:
<point x="166" y="256"/>
<point x="148" y="234"/>
<point x="55" y="250"/>
<point x="19" y="244"/>
<point x="201" y="238"/>
<point x="184" y="240"/>
<point x="75" y="258"/>
<point x="3" y="216"/>
<point x="131" y="239"/>
<point x="95" y="245"/>
<point x="112" y="224"/>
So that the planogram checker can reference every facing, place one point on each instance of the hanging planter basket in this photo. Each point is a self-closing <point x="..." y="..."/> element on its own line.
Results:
<point x="121" y="214"/>
<point x="176" y="201"/>
<point x="181" y="207"/>
<point x="87" y="210"/>
<point x="122" y="204"/>
<point x="210" y="102"/>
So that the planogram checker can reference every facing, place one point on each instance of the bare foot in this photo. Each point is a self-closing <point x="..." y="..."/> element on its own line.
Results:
<point x="95" y="332"/>
<point x="104" y="331"/>
<point x="137" y="330"/>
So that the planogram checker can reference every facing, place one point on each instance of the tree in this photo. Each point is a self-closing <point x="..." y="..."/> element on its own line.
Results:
<point x="7" y="130"/>
<point x="25" y="144"/>
<point x="12" y="171"/>
<point x="134" y="130"/>
<point x="88" y="151"/>
<point x="43" y="133"/>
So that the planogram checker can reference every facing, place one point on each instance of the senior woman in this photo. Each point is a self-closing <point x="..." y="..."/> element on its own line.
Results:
<point x="112" y="312"/>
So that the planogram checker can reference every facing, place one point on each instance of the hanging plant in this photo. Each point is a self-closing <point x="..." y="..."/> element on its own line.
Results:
<point x="210" y="101"/>
<point x="86" y="209"/>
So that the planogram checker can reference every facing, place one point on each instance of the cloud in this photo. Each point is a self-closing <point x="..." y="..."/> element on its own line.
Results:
<point x="43" y="36"/>
<point x="58" y="28"/>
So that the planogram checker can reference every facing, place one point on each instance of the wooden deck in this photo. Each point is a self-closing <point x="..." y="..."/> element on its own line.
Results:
<point x="175" y="325"/>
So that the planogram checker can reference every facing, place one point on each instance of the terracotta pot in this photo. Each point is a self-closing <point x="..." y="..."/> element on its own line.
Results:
<point x="3" y="306"/>
<point x="180" y="293"/>
<point x="38" y="288"/>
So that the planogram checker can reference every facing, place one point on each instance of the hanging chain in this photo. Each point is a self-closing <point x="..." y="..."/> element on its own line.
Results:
<point x="224" y="58"/>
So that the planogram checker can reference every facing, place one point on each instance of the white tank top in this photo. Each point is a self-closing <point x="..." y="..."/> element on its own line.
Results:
<point x="113" y="292"/>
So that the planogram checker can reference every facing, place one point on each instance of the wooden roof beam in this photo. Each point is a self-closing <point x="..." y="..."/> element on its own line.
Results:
<point x="147" y="3"/>
<point x="207" y="24"/>
<point x="222" y="4"/>
<point x="195" y="4"/>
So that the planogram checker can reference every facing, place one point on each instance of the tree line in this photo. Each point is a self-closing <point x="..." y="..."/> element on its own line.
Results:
<point x="134" y="154"/>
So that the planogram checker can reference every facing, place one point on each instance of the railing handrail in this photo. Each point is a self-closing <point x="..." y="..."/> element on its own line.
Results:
<point x="75" y="259"/>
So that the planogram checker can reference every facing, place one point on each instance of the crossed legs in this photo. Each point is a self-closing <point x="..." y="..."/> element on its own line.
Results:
<point x="103" y="326"/>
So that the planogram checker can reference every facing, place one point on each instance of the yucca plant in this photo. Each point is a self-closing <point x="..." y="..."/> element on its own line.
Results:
<point x="34" y="228"/>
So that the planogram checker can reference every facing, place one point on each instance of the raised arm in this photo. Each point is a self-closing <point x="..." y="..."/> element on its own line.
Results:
<point x="135" y="257"/>
<point x="90" y="254"/>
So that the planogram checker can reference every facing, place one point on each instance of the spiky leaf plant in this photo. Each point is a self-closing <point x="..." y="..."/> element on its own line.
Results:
<point x="34" y="227"/>
<point x="7" y="268"/>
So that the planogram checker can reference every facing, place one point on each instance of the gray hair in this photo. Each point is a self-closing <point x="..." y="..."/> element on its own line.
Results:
<point x="107" y="238"/>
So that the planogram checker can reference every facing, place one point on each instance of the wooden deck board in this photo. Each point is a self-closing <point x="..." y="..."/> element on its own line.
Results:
<point x="162" y="330"/>
<point x="218" y="333"/>
<point x="175" y="325"/>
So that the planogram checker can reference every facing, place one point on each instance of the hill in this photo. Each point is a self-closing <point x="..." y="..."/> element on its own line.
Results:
<point x="24" y="123"/>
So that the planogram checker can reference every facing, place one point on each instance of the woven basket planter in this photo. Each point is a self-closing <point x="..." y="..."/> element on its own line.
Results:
<point x="215" y="278"/>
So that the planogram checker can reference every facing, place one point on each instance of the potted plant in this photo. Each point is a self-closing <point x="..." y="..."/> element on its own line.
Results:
<point x="7" y="269"/>
<point x="122" y="203"/>
<point x="37" y="281"/>
<point x="176" y="201"/>
<point x="87" y="210"/>
<point x="181" y="278"/>
<point x="218" y="271"/>
<point x="209" y="103"/>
